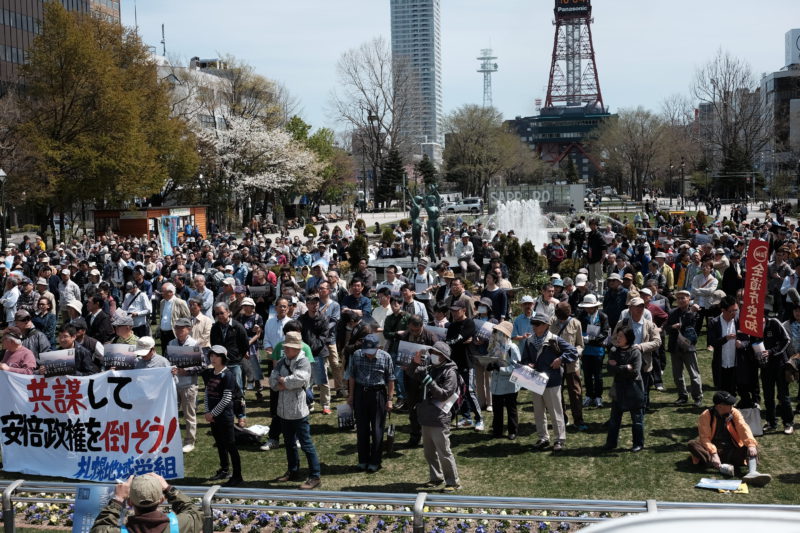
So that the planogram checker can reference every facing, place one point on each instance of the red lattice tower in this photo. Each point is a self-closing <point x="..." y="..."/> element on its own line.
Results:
<point x="573" y="71"/>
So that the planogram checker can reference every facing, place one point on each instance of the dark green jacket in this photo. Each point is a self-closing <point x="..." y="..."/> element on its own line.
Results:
<point x="189" y="518"/>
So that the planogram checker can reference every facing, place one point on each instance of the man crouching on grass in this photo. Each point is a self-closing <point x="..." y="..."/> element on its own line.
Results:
<point x="725" y="441"/>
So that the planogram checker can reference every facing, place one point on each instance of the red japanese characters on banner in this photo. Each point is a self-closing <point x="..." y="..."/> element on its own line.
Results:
<point x="751" y="316"/>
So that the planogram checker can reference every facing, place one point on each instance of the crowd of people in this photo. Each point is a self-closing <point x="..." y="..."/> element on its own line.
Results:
<point x="281" y="314"/>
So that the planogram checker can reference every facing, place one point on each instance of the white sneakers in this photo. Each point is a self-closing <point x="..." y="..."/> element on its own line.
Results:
<point x="188" y="448"/>
<point x="270" y="445"/>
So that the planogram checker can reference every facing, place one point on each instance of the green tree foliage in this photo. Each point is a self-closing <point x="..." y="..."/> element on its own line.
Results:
<point x="391" y="177"/>
<point x="357" y="250"/>
<point x="480" y="148"/>
<point x="427" y="170"/>
<point x="97" y="122"/>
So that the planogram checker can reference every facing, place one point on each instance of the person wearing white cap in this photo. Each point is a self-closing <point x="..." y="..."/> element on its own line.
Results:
<point x="647" y="340"/>
<point x="254" y="327"/>
<point x="522" y="324"/>
<point x="465" y="252"/>
<point x="703" y="286"/>
<point x="68" y="291"/>
<point x="595" y="327"/>
<point x="42" y="287"/>
<point x="615" y="298"/>
<point x="147" y="356"/>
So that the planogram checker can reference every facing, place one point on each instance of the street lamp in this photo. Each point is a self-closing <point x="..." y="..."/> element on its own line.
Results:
<point x="373" y="119"/>
<point x="3" y="177"/>
<point x="683" y="165"/>
<point x="671" y="166"/>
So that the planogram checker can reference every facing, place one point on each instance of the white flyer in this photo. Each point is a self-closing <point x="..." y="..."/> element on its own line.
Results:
<point x="530" y="379"/>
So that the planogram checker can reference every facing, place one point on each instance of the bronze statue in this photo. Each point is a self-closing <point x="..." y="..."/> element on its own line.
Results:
<point x="416" y="224"/>
<point x="432" y="204"/>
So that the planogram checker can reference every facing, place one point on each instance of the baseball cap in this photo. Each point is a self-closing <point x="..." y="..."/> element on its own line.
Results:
<point x="221" y="351"/>
<point x="248" y="301"/>
<point x="66" y="272"/>
<point x="144" y="345"/>
<point x="14" y="331"/>
<point x="370" y="344"/>
<point x="22" y="315"/>
<point x="458" y="304"/>
<point x="580" y="280"/>
<point x="614" y="277"/>
<point x="79" y="323"/>
<point x="293" y="339"/>
<point x="540" y="318"/>
<point x="183" y="323"/>
<point x="229" y="281"/>
<point x="636" y="301"/>
<point x="527" y="299"/>
<point x="145" y="491"/>
<point x="41" y="281"/>
<point x="122" y="320"/>
<point x="724" y="397"/>
<point x="441" y="348"/>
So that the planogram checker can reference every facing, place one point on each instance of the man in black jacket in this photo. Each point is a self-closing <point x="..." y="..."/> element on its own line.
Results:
<point x="231" y="334"/>
<point x="460" y="334"/>
<point x="596" y="245"/>
<point x="317" y="334"/>
<point x="99" y="322"/>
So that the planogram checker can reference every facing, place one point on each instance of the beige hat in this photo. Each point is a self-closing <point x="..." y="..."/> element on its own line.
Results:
<point x="145" y="491"/>
<point x="248" y="301"/>
<point x="144" y="345"/>
<point x="636" y="301"/>
<point x="506" y="327"/>
<point x="293" y="339"/>
<point x="76" y="305"/>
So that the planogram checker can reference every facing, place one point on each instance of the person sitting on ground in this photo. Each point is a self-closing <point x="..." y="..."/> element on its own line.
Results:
<point x="145" y="494"/>
<point x="725" y="441"/>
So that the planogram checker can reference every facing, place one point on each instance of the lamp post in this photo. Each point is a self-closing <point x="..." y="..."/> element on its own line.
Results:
<point x="3" y="177"/>
<point x="373" y="119"/>
<point x="683" y="165"/>
<point x="671" y="167"/>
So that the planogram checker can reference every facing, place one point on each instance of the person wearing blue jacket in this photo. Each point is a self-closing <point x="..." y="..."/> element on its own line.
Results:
<point x="548" y="353"/>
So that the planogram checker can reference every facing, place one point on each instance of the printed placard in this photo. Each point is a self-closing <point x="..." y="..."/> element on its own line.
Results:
<point x="528" y="378"/>
<point x="185" y="356"/>
<point x="119" y="356"/>
<point x="58" y="362"/>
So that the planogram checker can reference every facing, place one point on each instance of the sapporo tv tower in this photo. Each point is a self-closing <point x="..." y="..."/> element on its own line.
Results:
<point x="574" y="103"/>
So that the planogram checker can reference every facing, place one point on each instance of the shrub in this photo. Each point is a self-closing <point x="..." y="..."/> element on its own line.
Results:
<point x="344" y="268"/>
<point x="630" y="232"/>
<point x="361" y="225"/>
<point x="405" y="224"/>
<point x="310" y="231"/>
<point x="702" y="219"/>
<point x="388" y="235"/>
<point x="357" y="250"/>
<point x="513" y="259"/>
<point x="569" y="268"/>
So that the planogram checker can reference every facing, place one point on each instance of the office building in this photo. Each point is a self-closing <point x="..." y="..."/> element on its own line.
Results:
<point x="20" y="23"/>
<point x="416" y="38"/>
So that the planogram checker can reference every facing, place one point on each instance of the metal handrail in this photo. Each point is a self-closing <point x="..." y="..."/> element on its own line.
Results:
<point x="414" y="505"/>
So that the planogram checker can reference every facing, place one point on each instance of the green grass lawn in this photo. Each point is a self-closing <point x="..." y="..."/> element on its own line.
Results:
<point x="490" y="466"/>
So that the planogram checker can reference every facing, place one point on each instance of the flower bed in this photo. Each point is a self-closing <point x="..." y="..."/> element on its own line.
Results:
<point x="350" y="518"/>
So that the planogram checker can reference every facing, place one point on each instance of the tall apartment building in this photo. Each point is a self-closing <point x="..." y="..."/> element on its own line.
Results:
<point x="19" y="25"/>
<point x="416" y="37"/>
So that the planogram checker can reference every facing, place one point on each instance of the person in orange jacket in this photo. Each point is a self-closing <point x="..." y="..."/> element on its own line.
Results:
<point x="725" y="441"/>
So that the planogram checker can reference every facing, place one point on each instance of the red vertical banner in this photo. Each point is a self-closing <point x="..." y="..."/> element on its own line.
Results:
<point x="751" y="317"/>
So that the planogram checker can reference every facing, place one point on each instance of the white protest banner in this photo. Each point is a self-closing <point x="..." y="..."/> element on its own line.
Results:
<point x="530" y="379"/>
<point x="439" y="333"/>
<point x="103" y="427"/>
<point x="58" y="362"/>
<point x="406" y="351"/>
<point x="483" y="329"/>
<point x="185" y="356"/>
<point x="119" y="356"/>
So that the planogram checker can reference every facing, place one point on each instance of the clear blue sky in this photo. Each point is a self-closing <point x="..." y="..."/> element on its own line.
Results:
<point x="646" y="50"/>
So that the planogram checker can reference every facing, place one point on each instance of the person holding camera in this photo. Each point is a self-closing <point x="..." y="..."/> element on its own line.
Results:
<point x="145" y="494"/>
<point x="437" y="377"/>
<point x="625" y="364"/>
